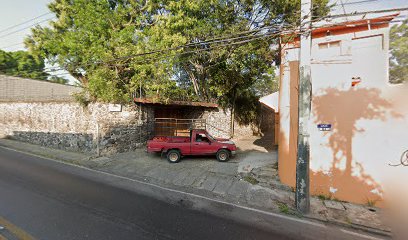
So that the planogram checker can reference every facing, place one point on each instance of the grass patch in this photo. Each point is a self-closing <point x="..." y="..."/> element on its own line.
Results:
<point x="324" y="197"/>
<point x="81" y="98"/>
<point x="251" y="180"/>
<point x="371" y="203"/>
<point x="283" y="208"/>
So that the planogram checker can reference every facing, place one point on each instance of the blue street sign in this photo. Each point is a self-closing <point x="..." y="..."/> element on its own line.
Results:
<point x="324" y="126"/>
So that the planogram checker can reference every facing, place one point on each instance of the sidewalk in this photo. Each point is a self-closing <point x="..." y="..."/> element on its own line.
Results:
<point x="250" y="179"/>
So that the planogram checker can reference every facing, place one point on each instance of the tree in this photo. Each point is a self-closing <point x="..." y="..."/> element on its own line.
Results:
<point x="23" y="64"/>
<point x="56" y="79"/>
<point x="7" y="62"/>
<point x="88" y="34"/>
<point x="399" y="53"/>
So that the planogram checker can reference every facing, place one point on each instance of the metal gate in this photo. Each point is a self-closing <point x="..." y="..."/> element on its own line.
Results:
<point x="177" y="127"/>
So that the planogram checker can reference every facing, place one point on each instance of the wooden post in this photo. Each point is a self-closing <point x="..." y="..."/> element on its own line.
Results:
<point x="140" y="115"/>
<point x="305" y="88"/>
<point x="232" y="126"/>
<point x="98" y="151"/>
<point x="176" y="126"/>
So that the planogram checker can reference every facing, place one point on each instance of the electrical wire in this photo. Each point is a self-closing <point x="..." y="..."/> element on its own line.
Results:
<point x="361" y="13"/>
<point x="198" y="44"/>
<point x="17" y="25"/>
<point x="354" y="3"/>
<point x="21" y="29"/>
<point x="214" y="40"/>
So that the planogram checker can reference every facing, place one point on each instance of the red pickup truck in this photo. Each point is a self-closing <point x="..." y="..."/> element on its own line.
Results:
<point x="199" y="143"/>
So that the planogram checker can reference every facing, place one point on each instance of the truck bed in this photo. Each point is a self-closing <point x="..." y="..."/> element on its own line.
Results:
<point x="170" y="139"/>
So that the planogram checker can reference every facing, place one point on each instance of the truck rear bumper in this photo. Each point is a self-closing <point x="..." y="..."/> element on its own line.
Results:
<point x="233" y="153"/>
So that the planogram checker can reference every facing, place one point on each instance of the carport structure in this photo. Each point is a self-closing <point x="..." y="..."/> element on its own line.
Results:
<point x="176" y="118"/>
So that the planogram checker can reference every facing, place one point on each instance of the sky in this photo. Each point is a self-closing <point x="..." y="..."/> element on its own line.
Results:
<point x="18" y="11"/>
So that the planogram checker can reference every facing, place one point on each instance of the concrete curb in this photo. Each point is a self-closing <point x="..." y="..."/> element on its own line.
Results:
<point x="354" y="226"/>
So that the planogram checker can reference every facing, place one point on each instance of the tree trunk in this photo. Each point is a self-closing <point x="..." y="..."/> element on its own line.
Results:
<point x="194" y="81"/>
<point x="81" y="78"/>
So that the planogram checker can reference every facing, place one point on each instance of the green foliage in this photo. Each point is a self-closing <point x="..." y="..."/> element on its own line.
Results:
<point x="22" y="64"/>
<point x="283" y="208"/>
<point x="399" y="53"/>
<point x="324" y="197"/>
<point x="82" y="98"/>
<point x="56" y="79"/>
<point x="7" y="62"/>
<point x="88" y="34"/>
<point x="251" y="180"/>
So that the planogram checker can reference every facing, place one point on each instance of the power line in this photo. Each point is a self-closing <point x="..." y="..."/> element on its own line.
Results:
<point x="359" y="24"/>
<point x="11" y="27"/>
<point x="355" y="13"/>
<point x="198" y="44"/>
<point x="216" y="40"/>
<point x="253" y="37"/>
<point x="354" y="3"/>
<point x="249" y="39"/>
<point x="206" y="49"/>
<point x="342" y="6"/>
<point x="21" y="29"/>
<point x="367" y="12"/>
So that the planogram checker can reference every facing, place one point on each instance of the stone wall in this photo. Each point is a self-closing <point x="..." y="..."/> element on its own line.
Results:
<point x="72" y="127"/>
<point x="219" y="123"/>
<point x="98" y="127"/>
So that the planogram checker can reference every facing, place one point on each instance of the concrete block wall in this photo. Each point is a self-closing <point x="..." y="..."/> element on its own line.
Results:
<point x="23" y="89"/>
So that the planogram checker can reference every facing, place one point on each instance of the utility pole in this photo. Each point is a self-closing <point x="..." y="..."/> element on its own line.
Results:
<point x="305" y="90"/>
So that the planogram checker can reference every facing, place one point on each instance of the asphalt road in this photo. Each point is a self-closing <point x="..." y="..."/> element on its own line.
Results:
<point x="44" y="199"/>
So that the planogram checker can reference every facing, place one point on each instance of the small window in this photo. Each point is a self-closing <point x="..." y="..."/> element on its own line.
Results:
<point x="328" y="50"/>
<point x="323" y="45"/>
<point x="334" y="44"/>
<point x="326" y="45"/>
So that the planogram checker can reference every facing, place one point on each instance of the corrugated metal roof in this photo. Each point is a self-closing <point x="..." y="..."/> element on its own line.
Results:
<point x="176" y="103"/>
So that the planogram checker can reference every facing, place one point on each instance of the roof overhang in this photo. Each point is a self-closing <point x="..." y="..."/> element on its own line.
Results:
<point x="271" y="101"/>
<point x="322" y="29"/>
<point x="176" y="103"/>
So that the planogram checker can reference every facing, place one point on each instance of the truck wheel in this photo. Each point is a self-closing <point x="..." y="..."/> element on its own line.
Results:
<point x="223" y="155"/>
<point x="173" y="156"/>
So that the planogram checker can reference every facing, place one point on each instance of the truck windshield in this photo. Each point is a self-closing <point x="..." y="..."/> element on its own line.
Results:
<point x="210" y="137"/>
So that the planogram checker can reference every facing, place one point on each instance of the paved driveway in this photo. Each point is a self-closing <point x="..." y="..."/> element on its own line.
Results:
<point x="199" y="171"/>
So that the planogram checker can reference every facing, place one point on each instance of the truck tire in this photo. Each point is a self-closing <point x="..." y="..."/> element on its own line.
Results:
<point x="223" y="155"/>
<point x="173" y="156"/>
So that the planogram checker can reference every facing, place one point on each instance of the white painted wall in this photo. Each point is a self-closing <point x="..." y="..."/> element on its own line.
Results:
<point x="375" y="111"/>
